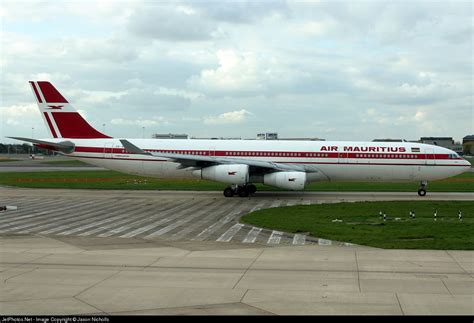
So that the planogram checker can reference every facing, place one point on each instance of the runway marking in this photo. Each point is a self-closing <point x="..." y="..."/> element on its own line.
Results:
<point x="299" y="239"/>
<point x="43" y="215"/>
<point x="213" y="212"/>
<point x="324" y="242"/>
<point x="307" y="202"/>
<point x="187" y="218"/>
<point x="161" y="214"/>
<point x="291" y="202"/>
<point x="223" y="221"/>
<point x="229" y="234"/>
<point x="276" y="203"/>
<point x="257" y="207"/>
<point x="69" y="221"/>
<point x="24" y="207"/>
<point x="252" y="235"/>
<point x="275" y="237"/>
<point x="48" y="221"/>
<point x="143" y="210"/>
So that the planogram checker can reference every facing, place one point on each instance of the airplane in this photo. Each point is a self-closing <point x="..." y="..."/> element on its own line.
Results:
<point x="290" y="165"/>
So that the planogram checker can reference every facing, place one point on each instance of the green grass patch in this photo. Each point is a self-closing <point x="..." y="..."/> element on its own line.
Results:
<point x="116" y="180"/>
<point x="362" y="225"/>
<point x="71" y="162"/>
<point x="7" y="160"/>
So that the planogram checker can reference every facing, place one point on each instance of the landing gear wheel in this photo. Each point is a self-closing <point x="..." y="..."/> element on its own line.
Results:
<point x="421" y="192"/>
<point x="243" y="191"/>
<point x="228" y="192"/>
<point x="252" y="188"/>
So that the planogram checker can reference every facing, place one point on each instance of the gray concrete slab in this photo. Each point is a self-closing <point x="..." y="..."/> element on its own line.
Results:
<point x="97" y="259"/>
<point x="284" y="302"/>
<point x="214" y="309"/>
<point x="62" y="306"/>
<point x="58" y="276"/>
<point x="300" y="280"/>
<point x="435" y="304"/>
<point x="23" y="291"/>
<point x="118" y="299"/>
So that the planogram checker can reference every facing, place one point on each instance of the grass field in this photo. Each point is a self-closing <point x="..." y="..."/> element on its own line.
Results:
<point x="361" y="224"/>
<point x="116" y="180"/>
<point x="72" y="162"/>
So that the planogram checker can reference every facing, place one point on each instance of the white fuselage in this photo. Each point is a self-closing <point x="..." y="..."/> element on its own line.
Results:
<point x="336" y="161"/>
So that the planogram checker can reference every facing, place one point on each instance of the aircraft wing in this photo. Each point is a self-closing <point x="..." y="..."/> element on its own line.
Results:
<point x="66" y="147"/>
<point x="204" y="161"/>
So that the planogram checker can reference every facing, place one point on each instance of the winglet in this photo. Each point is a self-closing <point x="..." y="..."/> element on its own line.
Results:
<point x="131" y="148"/>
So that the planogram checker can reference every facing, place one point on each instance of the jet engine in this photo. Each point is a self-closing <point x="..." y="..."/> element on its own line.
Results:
<point x="232" y="174"/>
<point x="294" y="181"/>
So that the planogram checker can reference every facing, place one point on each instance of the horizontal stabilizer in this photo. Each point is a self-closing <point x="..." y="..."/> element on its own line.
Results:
<point x="131" y="148"/>
<point x="66" y="147"/>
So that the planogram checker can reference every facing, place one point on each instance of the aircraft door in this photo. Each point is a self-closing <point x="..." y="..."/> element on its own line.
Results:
<point x="108" y="150"/>
<point x="430" y="157"/>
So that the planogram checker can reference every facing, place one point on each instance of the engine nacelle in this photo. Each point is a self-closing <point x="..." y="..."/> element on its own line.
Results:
<point x="294" y="181"/>
<point x="231" y="174"/>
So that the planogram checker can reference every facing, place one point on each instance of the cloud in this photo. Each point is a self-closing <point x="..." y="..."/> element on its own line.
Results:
<point x="170" y="22"/>
<point x="228" y="117"/>
<point x="138" y="122"/>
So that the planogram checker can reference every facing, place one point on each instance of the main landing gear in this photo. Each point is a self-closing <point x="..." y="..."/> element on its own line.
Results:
<point x="242" y="191"/>
<point x="422" y="189"/>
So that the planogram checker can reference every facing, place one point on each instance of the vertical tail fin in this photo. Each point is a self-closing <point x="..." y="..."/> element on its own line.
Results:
<point x="62" y="120"/>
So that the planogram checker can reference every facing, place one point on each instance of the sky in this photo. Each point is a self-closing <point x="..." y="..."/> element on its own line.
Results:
<point x="338" y="70"/>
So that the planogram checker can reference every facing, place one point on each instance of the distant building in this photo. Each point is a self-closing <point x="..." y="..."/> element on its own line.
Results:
<point x="468" y="145"/>
<point x="303" y="139"/>
<point x="389" y="140"/>
<point x="274" y="136"/>
<point x="446" y="142"/>
<point x="267" y="136"/>
<point x="169" y="136"/>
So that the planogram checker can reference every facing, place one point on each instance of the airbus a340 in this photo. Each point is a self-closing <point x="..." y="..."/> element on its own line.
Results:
<point x="289" y="165"/>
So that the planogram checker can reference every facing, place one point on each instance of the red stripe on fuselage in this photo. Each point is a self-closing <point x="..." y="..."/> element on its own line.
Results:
<point x="50" y="125"/>
<point x="272" y="154"/>
<point x="284" y="162"/>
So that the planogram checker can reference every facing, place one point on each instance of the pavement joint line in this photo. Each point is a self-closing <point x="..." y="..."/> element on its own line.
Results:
<point x="243" y="296"/>
<point x="446" y="286"/>
<point x="140" y="268"/>
<point x="457" y="263"/>
<point x="14" y="276"/>
<point x="358" y="271"/>
<point x="95" y="284"/>
<point x="248" y="268"/>
<point x="170" y="308"/>
<point x="102" y="312"/>
<point x="399" y="304"/>
<point x="258" y="308"/>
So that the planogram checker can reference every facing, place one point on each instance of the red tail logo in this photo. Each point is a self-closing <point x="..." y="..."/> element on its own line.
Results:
<point x="62" y="120"/>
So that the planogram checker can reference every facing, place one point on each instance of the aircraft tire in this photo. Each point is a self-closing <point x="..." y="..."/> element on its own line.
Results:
<point x="252" y="188"/>
<point x="244" y="192"/>
<point x="421" y="192"/>
<point x="228" y="192"/>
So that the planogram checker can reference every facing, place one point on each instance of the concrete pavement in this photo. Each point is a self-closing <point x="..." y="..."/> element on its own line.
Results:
<point x="70" y="275"/>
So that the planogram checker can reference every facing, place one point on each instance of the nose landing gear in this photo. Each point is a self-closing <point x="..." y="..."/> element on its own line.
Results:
<point x="242" y="191"/>
<point x="422" y="189"/>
